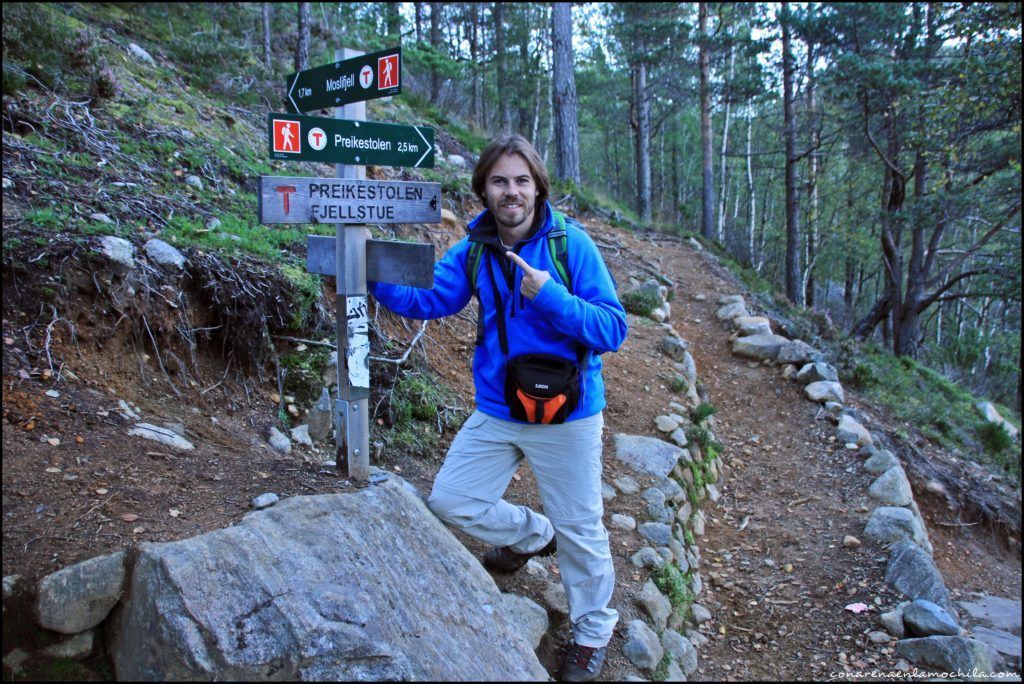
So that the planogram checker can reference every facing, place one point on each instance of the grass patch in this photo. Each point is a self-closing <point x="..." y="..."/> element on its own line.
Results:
<point x="994" y="438"/>
<point x="235" y="234"/>
<point x="661" y="671"/>
<point x="304" y="372"/>
<point x="641" y="301"/>
<point x="703" y="410"/>
<point x="416" y="412"/>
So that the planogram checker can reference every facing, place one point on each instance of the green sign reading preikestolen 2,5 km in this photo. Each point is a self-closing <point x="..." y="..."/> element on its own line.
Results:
<point x="340" y="141"/>
<point x="366" y="77"/>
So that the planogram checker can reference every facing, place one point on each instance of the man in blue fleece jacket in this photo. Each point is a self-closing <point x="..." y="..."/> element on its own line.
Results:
<point x="526" y="308"/>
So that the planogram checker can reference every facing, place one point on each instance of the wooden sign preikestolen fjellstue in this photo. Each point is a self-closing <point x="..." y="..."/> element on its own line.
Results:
<point x="294" y="199"/>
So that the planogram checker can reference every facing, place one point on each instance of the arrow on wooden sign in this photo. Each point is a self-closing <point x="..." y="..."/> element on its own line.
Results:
<point x="294" y="199"/>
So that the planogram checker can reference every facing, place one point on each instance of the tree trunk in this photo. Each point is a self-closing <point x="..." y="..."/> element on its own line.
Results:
<point x="528" y="77"/>
<point x="720" y="233"/>
<point x="908" y="322"/>
<point x="268" y="59"/>
<point x="418" y="13"/>
<point x="302" y="49"/>
<point x="812" y="183"/>
<point x="643" y="142"/>
<point x="474" y="58"/>
<point x="567" y="144"/>
<point x="437" y="43"/>
<point x="751" y="197"/>
<point x="793" y="246"/>
<point x="504" y="112"/>
<point x="394" y="22"/>
<point x="708" y="192"/>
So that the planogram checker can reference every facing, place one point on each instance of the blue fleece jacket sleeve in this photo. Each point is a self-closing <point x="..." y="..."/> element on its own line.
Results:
<point x="451" y="291"/>
<point x="593" y="315"/>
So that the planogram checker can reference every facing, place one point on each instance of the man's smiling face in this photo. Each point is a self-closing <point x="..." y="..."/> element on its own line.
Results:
<point x="511" y="196"/>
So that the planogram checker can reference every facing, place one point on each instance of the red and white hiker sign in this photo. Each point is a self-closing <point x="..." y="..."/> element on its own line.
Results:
<point x="286" y="136"/>
<point x="387" y="72"/>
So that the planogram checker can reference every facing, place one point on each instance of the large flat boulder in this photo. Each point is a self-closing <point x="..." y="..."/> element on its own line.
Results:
<point x="365" y="586"/>
<point x="646" y="454"/>
<point x="759" y="347"/>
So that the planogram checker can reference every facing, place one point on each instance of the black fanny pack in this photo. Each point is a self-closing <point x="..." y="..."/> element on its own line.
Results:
<point x="541" y="388"/>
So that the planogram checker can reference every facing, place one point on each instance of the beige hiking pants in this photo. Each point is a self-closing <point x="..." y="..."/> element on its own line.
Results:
<point x="566" y="461"/>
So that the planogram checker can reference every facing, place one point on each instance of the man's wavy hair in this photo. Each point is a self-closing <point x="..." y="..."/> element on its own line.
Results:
<point x="511" y="143"/>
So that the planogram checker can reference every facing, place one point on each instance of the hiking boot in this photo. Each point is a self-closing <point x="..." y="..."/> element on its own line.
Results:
<point x="582" y="663"/>
<point x="504" y="559"/>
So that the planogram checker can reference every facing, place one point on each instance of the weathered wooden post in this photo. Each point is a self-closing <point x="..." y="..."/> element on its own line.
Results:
<point x="353" y="326"/>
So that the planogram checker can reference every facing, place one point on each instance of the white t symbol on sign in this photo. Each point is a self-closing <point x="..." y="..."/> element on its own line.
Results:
<point x="366" y="76"/>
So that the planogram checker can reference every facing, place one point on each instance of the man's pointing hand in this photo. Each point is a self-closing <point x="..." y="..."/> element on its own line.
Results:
<point x="533" y="279"/>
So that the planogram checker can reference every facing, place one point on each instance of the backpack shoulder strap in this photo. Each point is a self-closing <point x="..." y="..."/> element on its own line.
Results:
<point x="476" y="251"/>
<point x="558" y="246"/>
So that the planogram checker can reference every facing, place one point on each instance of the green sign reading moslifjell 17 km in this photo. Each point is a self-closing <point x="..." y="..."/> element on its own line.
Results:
<point x="366" y="77"/>
<point x="341" y="141"/>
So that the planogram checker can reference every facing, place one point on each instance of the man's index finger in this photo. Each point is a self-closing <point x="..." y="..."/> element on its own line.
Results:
<point x="519" y="261"/>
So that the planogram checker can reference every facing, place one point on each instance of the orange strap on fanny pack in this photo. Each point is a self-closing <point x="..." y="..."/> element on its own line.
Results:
<point x="542" y="410"/>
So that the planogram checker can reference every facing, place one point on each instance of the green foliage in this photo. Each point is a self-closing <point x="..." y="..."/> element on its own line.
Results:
<point x="675" y="584"/>
<point x="304" y="373"/>
<point x="699" y="481"/>
<point x="47" y="218"/>
<point x="994" y="439"/>
<point x="661" y="671"/>
<point x="702" y="411"/>
<point x="863" y="376"/>
<point x="305" y="292"/>
<point x="471" y="137"/>
<point x="236" y="234"/>
<point x="416" y="410"/>
<point x="41" y="45"/>
<point x="641" y="301"/>
<point x="920" y="397"/>
<point x="750" y="278"/>
<point x="678" y="384"/>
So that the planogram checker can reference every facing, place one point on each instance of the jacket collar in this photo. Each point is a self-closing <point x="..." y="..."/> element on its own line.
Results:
<point x="483" y="229"/>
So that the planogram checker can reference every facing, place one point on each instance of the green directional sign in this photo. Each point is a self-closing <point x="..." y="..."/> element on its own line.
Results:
<point x="340" y="141"/>
<point x="367" y="77"/>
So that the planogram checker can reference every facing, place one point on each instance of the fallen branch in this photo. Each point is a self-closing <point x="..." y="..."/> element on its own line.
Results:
<point x="302" y="341"/>
<point x="402" y="359"/>
<point x="799" y="502"/>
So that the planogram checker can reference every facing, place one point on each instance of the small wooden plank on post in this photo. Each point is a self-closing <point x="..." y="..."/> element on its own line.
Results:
<point x="387" y="261"/>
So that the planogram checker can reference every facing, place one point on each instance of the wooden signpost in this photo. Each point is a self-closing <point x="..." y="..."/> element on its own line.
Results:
<point x="350" y="201"/>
